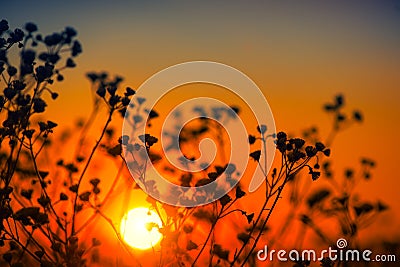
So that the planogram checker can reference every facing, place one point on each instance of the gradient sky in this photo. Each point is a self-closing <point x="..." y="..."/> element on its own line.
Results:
<point x="300" y="53"/>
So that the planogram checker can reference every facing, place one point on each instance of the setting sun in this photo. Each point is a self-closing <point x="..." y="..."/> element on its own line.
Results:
<point x="147" y="134"/>
<point x="139" y="228"/>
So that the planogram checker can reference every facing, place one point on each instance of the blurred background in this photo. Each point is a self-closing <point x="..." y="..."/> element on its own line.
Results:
<point x="300" y="54"/>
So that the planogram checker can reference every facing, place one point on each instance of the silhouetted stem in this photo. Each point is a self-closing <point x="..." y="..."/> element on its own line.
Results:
<point x="21" y="245"/>
<point x="280" y="189"/>
<point x="86" y="167"/>
<point x="41" y="182"/>
<point x="287" y="170"/>
<point x="86" y="128"/>
<point x="109" y="221"/>
<point x="251" y="232"/>
<point x="208" y="237"/>
<point x="88" y="221"/>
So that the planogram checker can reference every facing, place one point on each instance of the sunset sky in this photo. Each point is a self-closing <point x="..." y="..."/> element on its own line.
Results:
<point x="300" y="54"/>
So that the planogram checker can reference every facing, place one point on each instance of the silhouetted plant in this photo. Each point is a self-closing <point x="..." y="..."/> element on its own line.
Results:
<point x="46" y="204"/>
<point x="34" y="221"/>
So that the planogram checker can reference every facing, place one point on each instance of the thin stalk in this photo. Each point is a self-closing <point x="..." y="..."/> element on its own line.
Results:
<point x="280" y="189"/>
<point x="208" y="237"/>
<point x="87" y="165"/>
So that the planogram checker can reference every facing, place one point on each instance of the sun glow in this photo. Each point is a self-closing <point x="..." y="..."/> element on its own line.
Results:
<point x="139" y="228"/>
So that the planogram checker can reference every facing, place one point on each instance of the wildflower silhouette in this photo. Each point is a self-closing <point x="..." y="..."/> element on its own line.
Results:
<point x="43" y="202"/>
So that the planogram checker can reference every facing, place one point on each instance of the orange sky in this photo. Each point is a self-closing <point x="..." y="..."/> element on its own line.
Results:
<point x="300" y="55"/>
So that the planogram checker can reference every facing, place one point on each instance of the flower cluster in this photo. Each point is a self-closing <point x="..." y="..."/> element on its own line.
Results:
<point x="40" y="59"/>
<point x="342" y="120"/>
<point x="27" y="86"/>
<point x="106" y="88"/>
